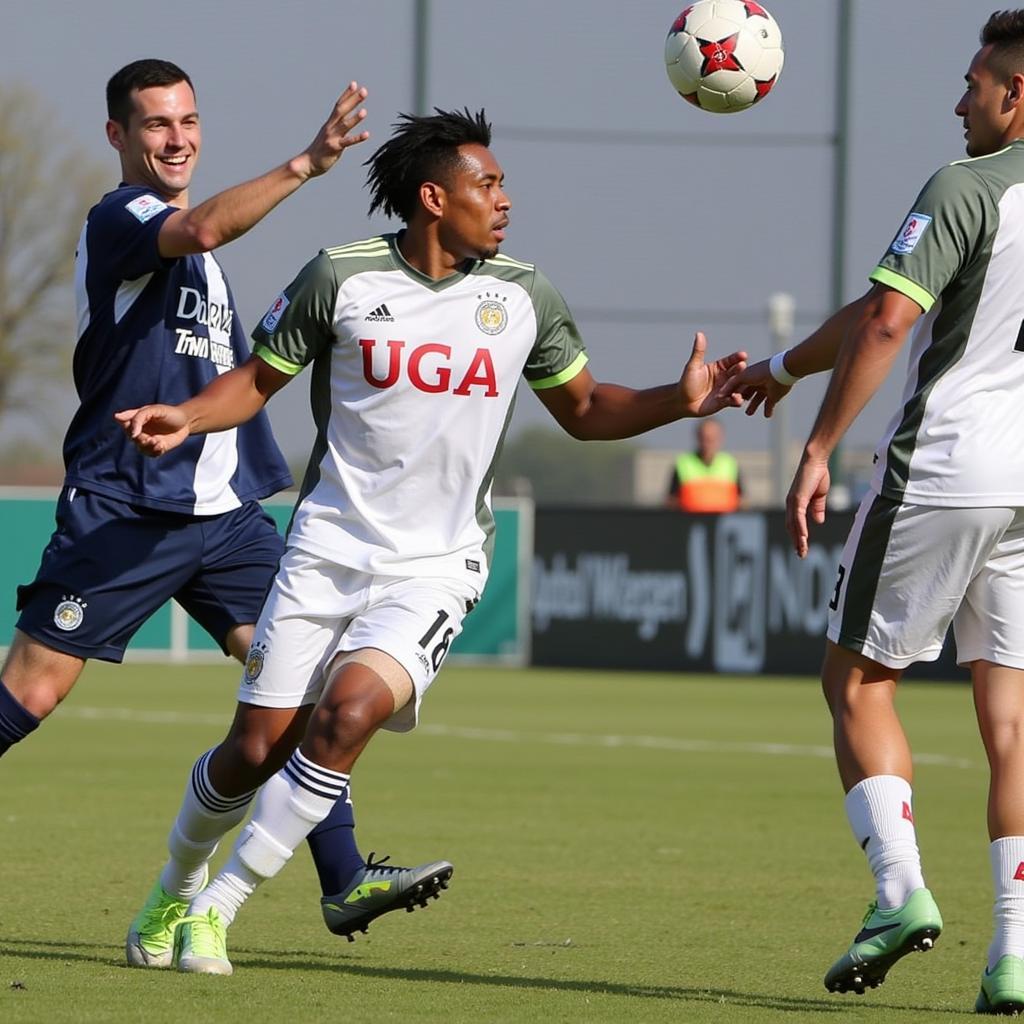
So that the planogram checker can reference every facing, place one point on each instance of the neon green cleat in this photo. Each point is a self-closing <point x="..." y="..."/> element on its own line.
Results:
<point x="885" y="937"/>
<point x="379" y="888"/>
<point x="150" y="941"/>
<point x="202" y="944"/>
<point x="1002" y="988"/>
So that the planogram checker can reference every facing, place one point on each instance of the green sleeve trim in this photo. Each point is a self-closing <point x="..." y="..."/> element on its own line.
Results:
<point x="558" y="379"/>
<point x="274" y="360"/>
<point x="911" y="289"/>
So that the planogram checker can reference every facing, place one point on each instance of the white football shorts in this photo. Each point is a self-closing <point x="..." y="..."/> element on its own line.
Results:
<point x="318" y="609"/>
<point x="908" y="571"/>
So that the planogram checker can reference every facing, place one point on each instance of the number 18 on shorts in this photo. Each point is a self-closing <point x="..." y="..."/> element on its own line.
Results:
<point x="317" y="610"/>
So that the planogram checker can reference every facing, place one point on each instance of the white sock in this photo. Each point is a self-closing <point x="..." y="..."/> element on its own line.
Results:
<point x="1007" y="855"/>
<point x="880" y="811"/>
<point x="205" y="816"/>
<point x="289" y="806"/>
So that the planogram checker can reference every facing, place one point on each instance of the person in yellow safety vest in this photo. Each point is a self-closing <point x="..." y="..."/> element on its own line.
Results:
<point x="708" y="479"/>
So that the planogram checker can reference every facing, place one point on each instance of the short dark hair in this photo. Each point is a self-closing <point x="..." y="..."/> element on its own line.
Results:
<point x="423" y="148"/>
<point x="1004" y="32"/>
<point x="140" y="74"/>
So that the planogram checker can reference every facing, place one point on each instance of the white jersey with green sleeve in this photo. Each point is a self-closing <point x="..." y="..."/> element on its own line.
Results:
<point x="412" y="389"/>
<point x="958" y="437"/>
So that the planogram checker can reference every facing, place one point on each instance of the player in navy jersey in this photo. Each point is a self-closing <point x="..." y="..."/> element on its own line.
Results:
<point x="157" y="322"/>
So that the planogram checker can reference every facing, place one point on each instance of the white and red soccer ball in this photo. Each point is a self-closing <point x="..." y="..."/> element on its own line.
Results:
<point x="724" y="55"/>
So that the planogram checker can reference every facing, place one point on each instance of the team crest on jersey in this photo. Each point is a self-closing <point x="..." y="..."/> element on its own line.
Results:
<point x="254" y="662"/>
<point x="274" y="314"/>
<point x="491" y="315"/>
<point x="910" y="234"/>
<point x="68" y="615"/>
<point x="145" y="208"/>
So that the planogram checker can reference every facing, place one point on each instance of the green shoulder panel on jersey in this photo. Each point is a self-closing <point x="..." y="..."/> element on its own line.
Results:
<point x="358" y="257"/>
<point x="504" y="268"/>
<point x="365" y="247"/>
<point x="557" y="354"/>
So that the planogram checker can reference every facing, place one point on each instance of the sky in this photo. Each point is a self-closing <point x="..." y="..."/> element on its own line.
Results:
<point x="654" y="219"/>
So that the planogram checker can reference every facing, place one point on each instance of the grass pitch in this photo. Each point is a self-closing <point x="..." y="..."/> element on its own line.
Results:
<point x="628" y="847"/>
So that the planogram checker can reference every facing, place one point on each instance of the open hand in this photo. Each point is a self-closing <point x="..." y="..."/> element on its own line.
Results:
<point x="334" y="137"/>
<point x="756" y="386"/>
<point x="703" y="385"/>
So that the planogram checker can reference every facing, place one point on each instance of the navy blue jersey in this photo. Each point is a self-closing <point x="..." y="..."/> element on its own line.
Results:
<point x="152" y="329"/>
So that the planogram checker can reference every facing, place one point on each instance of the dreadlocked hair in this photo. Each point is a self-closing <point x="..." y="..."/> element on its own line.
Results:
<point x="422" y="148"/>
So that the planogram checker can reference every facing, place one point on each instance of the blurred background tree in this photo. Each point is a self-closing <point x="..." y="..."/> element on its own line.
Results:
<point x="47" y="185"/>
<point x="554" y="468"/>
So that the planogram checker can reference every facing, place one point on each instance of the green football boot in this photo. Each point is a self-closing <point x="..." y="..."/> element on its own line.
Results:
<point x="379" y="888"/>
<point x="202" y="944"/>
<point x="1002" y="988"/>
<point x="150" y="941"/>
<point x="885" y="937"/>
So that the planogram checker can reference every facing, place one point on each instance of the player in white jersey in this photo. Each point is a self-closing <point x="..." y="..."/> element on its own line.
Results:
<point x="417" y="342"/>
<point x="940" y="537"/>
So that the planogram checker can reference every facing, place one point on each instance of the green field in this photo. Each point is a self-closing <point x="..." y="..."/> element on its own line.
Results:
<point x="637" y="848"/>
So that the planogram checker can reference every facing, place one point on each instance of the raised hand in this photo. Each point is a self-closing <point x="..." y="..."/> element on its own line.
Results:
<point x="703" y="387"/>
<point x="334" y="137"/>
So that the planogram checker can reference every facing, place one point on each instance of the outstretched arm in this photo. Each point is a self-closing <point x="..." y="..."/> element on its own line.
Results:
<point x="757" y="385"/>
<point x="227" y="401"/>
<point x="225" y="216"/>
<point x="592" y="411"/>
<point x="864" y="360"/>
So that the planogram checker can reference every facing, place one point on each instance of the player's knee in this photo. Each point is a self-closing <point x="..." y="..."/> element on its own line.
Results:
<point x="39" y="696"/>
<point x="259" y="743"/>
<point x="249" y="751"/>
<point x="38" y="678"/>
<point x="345" y="725"/>
<point x="1004" y="738"/>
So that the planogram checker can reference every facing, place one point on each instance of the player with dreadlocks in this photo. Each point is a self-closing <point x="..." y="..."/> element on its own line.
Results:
<point x="417" y="341"/>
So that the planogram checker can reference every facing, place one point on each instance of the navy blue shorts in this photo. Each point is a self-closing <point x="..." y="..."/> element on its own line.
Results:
<point x="110" y="565"/>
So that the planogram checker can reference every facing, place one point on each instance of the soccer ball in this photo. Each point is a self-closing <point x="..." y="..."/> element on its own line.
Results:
<point x="724" y="55"/>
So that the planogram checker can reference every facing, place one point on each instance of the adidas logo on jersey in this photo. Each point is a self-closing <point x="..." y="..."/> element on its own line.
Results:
<point x="380" y="315"/>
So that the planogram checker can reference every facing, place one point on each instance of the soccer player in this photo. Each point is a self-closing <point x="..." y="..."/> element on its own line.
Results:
<point x="156" y="318"/>
<point x="417" y="341"/>
<point x="940" y="536"/>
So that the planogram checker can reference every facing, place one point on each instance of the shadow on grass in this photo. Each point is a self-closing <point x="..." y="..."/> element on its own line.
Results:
<point x="277" y="960"/>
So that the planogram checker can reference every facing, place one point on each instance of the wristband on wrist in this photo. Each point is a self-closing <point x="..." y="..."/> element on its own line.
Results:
<point x="777" y="368"/>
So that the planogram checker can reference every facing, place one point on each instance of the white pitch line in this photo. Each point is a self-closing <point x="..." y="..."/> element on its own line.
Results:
<point x="562" y="739"/>
<point x="665" y="743"/>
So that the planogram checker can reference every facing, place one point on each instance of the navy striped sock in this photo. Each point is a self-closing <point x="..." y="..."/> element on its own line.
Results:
<point x="15" y="721"/>
<point x="333" y="845"/>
